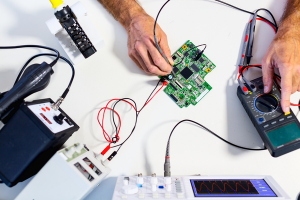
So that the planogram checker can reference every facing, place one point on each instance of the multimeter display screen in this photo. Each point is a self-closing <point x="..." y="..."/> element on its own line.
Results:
<point x="232" y="188"/>
<point x="284" y="135"/>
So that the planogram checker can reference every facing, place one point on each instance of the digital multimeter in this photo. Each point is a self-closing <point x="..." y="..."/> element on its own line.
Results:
<point x="279" y="131"/>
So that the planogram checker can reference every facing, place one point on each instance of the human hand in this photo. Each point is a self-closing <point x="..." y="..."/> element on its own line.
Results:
<point x="283" y="53"/>
<point x="141" y="45"/>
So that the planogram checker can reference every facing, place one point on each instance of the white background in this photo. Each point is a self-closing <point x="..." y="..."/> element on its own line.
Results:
<point x="111" y="74"/>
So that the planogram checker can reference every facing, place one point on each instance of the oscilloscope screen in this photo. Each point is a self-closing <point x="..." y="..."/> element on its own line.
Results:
<point x="232" y="188"/>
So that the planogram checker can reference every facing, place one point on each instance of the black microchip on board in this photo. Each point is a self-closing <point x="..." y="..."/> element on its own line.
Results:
<point x="195" y="68"/>
<point x="173" y="86"/>
<point x="186" y="54"/>
<point x="201" y="60"/>
<point x="175" y="69"/>
<point x="173" y="97"/>
<point x="174" y="57"/>
<point x="186" y="73"/>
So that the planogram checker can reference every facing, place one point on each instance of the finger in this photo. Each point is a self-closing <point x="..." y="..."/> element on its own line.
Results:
<point x="166" y="49"/>
<point x="143" y="53"/>
<point x="138" y="61"/>
<point x="295" y="82"/>
<point x="286" y="87"/>
<point x="268" y="73"/>
<point x="157" y="58"/>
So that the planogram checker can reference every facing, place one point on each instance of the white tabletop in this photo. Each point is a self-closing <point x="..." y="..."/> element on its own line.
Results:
<point x="111" y="74"/>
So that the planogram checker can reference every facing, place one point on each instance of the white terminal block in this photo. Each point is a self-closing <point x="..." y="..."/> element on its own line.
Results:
<point x="65" y="40"/>
<point x="78" y="147"/>
<point x="69" y="152"/>
<point x="70" y="177"/>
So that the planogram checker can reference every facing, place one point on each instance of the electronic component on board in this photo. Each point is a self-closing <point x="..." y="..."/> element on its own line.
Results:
<point x="186" y="73"/>
<point x="189" y="82"/>
<point x="195" y="68"/>
<point x="179" y="54"/>
<point x="175" y="69"/>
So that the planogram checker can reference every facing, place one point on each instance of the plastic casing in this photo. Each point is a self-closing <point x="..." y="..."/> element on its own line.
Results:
<point x="65" y="40"/>
<point x="60" y="179"/>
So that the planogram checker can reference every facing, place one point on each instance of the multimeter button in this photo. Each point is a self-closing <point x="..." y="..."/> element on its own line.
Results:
<point x="261" y="119"/>
<point x="289" y="116"/>
<point x="281" y="119"/>
<point x="265" y="126"/>
<point x="273" y="122"/>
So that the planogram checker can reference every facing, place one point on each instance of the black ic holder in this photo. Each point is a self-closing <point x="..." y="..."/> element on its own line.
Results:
<point x="69" y="22"/>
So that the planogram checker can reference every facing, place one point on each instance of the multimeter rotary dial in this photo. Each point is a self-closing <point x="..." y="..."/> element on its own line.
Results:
<point x="266" y="103"/>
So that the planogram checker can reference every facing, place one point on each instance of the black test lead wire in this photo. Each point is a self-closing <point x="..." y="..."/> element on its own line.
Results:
<point x="167" y="165"/>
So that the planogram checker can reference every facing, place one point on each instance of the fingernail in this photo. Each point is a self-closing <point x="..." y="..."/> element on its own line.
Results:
<point x="286" y="110"/>
<point x="266" y="89"/>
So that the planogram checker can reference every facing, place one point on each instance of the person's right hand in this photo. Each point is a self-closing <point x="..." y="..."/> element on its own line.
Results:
<point x="141" y="45"/>
<point x="284" y="54"/>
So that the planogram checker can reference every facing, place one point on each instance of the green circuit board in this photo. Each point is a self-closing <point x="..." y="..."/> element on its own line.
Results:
<point x="189" y="86"/>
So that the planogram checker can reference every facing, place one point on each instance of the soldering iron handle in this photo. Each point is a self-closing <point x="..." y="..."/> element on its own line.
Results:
<point x="35" y="78"/>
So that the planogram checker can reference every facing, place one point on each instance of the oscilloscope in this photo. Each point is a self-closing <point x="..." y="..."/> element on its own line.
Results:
<point x="199" y="187"/>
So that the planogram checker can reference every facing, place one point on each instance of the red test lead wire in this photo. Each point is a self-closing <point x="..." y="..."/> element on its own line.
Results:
<point x="101" y="122"/>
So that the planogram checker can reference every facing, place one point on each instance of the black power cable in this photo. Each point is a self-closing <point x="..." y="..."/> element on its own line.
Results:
<point x="47" y="54"/>
<point x="36" y="46"/>
<point x="252" y="13"/>
<point x="167" y="164"/>
<point x="208" y="130"/>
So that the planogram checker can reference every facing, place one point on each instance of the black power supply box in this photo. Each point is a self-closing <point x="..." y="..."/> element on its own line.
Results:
<point x="30" y="138"/>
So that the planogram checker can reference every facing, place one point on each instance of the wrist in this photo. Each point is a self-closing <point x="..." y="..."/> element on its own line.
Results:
<point x="288" y="30"/>
<point x="129" y="12"/>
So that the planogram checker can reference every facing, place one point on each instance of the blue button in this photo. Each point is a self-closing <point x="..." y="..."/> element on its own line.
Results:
<point x="161" y="187"/>
<point x="139" y="185"/>
<point x="261" y="119"/>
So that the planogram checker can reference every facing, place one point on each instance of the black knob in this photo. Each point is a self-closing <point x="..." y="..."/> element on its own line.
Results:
<point x="266" y="103"/>
<point x="59" y="119"/>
